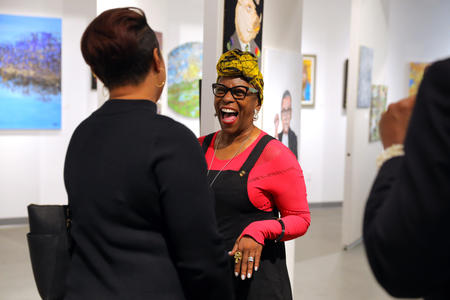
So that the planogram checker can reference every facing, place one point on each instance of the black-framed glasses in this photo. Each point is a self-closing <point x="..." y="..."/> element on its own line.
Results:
<point x="238" y="92"/>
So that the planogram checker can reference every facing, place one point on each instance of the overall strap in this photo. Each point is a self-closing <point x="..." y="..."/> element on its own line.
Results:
<point x="254" y="155"/>
<point x="207" y="142"/>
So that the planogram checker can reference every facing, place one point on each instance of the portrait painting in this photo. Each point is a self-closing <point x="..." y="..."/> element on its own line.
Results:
<point x="308" y="80"/>
<point x="281" y="111"/>
<point x="30" y="71"/>
<point x="243" y="26"/>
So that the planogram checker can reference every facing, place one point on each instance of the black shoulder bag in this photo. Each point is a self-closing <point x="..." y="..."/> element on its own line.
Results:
<point x="49" y="244"/>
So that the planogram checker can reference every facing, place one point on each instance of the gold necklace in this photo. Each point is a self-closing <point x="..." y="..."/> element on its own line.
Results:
<point x="214" y="155"/>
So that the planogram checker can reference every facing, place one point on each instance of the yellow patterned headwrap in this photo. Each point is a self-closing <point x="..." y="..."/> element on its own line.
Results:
<point x="238" y="63"/>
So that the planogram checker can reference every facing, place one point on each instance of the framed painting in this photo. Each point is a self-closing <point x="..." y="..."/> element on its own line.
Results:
<point x="30" y="72"/>
<point x="243" y="26"/>
<point x="416" y="71"/>
<point x="184" y="72"/>
<point x="309" y="80"/>
<point x="344" y="97"/>
<point x="365" y="77"/>
<point x="377" y="107"/>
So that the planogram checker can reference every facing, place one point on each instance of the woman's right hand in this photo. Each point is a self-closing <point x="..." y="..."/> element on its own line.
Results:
<point x="250" y="256"/>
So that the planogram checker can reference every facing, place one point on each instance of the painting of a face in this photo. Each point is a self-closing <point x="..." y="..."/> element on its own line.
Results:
<point x="247" y="21"/>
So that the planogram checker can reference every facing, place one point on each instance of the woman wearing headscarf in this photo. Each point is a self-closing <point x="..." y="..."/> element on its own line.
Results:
<point x="143" y="222"/>
<point x="258" y="184"/>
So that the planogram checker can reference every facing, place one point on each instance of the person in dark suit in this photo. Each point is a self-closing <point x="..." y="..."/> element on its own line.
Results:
<point x="406" y="222"/>
<point x="286" y="136"/>
<point x="143" y="220"/>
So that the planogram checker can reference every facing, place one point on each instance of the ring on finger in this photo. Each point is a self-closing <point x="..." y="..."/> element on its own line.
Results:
<point x="237" y="257"/>
<point x="251" y="259"/>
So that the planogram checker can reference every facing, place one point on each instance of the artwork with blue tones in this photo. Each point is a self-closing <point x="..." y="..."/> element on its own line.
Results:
<point x="30" y="72"/>
<point x="185" y="71"/>
<point x="365" y="77"/>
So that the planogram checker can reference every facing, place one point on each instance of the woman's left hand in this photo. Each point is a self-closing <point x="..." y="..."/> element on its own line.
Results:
<point x="250" y="256"/>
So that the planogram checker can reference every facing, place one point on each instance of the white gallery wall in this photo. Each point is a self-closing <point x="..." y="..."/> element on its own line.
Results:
<point x="370" y="28"/>
<point x="31" y="161"/>
<point x="326" y="33"/>
<point x="399" y="32"/>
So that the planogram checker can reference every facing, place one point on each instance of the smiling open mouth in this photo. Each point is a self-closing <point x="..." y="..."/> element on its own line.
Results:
<point x="229" y="116"/>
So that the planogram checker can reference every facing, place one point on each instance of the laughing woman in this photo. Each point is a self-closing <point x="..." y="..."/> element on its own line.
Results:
<point x="258" y="184"/>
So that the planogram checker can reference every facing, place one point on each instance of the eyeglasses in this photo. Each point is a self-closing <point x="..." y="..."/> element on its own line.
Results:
<point x="238" y="92"/>
<point x="286" y="111"/>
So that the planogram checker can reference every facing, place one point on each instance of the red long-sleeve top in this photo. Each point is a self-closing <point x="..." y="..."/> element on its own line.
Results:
<point x="276" y="180"/>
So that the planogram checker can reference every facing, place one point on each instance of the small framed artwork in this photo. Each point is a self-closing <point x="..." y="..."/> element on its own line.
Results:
<point x="365" y="77"/>
<point x="344" y="99"/>
<point x="377" y="107"/>
<point x="416" y="71"/>
<point x="309" y="80"/>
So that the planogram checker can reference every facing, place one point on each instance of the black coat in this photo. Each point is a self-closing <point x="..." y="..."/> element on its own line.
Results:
<point x="143" y="218"/>
<point x="292" y="141"/>
<point x="407" y="223"/>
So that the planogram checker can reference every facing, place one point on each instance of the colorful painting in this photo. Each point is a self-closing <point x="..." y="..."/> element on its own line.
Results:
<point x="365" y="77"/>
<point x="416" y="71"/>
<point x="308" y="80"/>
<point x="242" y="27"/>
<point x="30" y="72"/>
<point x="185" y="71"/>
<point x="377" y="107"/>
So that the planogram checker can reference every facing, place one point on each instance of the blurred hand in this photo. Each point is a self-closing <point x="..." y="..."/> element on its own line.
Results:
<point x="249" y="248"/>
<point x="394" y="122"/>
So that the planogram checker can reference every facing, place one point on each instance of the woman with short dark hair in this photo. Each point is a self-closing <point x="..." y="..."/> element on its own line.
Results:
<point x="143" y="223"/>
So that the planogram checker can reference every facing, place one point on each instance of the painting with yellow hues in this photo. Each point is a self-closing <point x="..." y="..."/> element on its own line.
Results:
<point x="308" y="80"/>
<point x="185" y="71"/>
<point x="416" y="71"/>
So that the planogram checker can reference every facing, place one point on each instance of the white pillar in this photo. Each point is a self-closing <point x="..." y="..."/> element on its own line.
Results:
<point x="212" y="49"/>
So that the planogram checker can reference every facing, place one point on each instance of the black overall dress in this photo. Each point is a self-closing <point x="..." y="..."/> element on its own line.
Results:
<point x="234" y="213"/>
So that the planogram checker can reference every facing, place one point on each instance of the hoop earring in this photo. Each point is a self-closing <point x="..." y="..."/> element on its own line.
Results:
<point x="105" y="92"/>
<point x="255" y="115"/>
<point x="161" y="84"/>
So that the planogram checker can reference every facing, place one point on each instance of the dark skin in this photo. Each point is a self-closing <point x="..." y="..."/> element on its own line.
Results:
<point x="150" y="88"/>
<point x="237" y="137"/>
<point x="394" y="122"/>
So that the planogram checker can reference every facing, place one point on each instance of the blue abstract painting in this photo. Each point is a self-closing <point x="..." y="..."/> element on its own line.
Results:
<point x="30" y="72"/>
